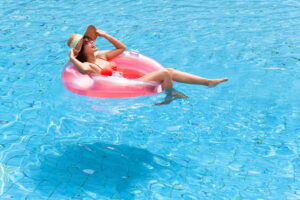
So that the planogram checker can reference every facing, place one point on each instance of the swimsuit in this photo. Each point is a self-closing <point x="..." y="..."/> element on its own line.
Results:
<point x="106" y="71"/>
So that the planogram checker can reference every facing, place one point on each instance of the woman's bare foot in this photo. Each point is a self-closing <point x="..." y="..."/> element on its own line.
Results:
<point x="214" y="82"/>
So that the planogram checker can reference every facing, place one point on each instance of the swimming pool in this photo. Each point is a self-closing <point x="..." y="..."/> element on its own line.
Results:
<point x="239" y="140"/>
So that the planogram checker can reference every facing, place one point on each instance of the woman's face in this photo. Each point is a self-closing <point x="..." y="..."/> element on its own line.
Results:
<point x="89" y="46"/>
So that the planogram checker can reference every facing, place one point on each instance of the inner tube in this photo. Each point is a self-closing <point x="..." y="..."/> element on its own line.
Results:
<point x="131" y="64"/>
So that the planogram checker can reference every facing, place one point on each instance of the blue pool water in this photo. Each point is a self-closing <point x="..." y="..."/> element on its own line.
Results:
<point x="239" y="140"/>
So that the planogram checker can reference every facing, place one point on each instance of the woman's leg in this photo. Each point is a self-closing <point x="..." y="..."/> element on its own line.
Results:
<point x="184" y="77"/>
<point x="160" y="76"/>
<point x="166" y="79"/>
<point x="167" y="75"/>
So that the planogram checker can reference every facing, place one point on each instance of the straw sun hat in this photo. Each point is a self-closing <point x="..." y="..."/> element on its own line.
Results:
<point x="76" y="40"/>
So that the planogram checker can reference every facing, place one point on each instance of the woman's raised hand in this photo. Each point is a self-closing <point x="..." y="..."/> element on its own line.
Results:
<point x="100" y="33"/>
<point x="73" y="53"/>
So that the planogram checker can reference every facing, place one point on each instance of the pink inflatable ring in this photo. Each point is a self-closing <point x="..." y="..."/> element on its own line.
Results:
<point x="131" y="64"/>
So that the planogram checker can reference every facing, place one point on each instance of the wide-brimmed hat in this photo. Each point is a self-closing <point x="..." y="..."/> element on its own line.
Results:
<point x="76" y="40"/>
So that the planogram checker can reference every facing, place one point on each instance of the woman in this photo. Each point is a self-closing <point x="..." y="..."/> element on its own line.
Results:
<point x="87" y="59"/>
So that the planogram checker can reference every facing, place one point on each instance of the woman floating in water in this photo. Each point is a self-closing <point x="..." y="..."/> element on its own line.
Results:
<point x="88" y="60"/>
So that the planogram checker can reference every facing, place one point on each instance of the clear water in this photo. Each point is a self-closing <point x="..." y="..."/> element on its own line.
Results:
<point x="239" y="140"/>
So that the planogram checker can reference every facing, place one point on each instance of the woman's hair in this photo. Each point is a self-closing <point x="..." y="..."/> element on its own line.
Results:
<point x="81" y="55"/>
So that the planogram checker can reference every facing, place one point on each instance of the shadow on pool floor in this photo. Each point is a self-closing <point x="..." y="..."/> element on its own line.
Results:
<point x="98" y="170"/>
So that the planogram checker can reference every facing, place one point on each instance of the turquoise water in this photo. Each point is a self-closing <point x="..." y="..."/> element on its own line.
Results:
<point x="239" y="140"/>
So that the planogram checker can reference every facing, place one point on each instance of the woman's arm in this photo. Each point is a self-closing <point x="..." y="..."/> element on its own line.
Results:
<point x="82" y="67"/>
<point x="120" y="47"/>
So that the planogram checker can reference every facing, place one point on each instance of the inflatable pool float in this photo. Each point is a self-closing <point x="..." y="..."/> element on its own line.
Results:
<point x="131" y="64"/>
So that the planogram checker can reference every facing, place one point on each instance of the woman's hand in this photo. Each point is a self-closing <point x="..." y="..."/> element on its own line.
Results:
<point x="101" y="33"/>
<point x="73" y="54"/>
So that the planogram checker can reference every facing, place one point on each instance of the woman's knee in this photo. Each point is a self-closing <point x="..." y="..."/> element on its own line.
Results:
<point x="165" y="72"/>
<point x="171" y="71"/>
<point x="167" y="79"/>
